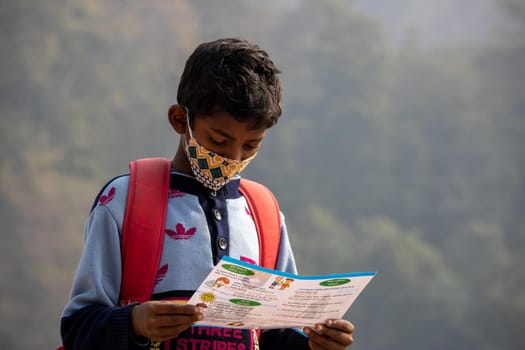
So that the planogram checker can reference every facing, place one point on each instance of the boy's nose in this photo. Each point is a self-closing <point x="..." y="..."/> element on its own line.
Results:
<point x="235" y="154"/>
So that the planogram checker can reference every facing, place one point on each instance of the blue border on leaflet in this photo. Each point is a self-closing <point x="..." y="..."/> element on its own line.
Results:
<point x="291" y="275"/>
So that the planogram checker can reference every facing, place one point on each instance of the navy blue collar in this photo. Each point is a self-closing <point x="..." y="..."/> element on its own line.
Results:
<point x="187" y="184"/>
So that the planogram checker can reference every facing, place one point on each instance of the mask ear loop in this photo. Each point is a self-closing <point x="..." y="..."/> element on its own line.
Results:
<point x="188" y="120"/>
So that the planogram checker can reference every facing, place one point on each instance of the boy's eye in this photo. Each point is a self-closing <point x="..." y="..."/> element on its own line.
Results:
<point x="216" y="142"/>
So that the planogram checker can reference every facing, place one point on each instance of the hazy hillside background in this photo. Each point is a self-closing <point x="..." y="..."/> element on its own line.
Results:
<point x="401" y="149"/>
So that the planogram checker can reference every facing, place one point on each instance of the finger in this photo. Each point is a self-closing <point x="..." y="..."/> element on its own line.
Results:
<point x="342" y="325"/>
<point x="176" y="309"/>
<point x="318" y="341"/>
<point x="329" y="337"/>
<point x="315" y="337"/>
<point x="336" y="335"/>
<point x="175" y="320"/>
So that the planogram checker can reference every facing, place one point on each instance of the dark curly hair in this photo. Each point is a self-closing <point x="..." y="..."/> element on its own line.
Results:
<point x="235" y="76"/>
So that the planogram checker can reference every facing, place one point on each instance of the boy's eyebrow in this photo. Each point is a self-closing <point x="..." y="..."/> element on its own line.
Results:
<point x="225" y="134"/>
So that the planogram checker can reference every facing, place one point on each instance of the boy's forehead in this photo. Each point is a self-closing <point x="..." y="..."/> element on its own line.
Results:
<point x="224" y="121"/>
<point x="219" y="113"/>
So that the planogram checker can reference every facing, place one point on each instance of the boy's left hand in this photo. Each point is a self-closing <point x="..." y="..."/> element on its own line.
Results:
<point x="332" y="335"/>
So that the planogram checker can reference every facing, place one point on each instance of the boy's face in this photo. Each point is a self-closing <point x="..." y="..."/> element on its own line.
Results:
<point x="222" y="134"/>
<point x="219" y="132"/>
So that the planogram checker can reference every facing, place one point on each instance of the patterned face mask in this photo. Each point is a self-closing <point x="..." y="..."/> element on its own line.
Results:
<point x="213" y="171"/>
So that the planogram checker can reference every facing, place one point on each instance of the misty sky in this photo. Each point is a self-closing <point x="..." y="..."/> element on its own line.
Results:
<point x="448" y="21"/>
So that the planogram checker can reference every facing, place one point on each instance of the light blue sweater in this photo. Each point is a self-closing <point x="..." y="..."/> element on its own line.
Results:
<point x="201" y="227"/>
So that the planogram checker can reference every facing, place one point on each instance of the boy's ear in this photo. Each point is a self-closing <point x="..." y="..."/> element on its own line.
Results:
<point x="177" y="118"/>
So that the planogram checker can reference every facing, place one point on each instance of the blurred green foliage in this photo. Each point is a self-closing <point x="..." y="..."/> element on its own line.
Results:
<point x="408" y="160"/>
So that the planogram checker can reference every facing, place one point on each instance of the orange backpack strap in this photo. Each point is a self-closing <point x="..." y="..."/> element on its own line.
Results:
<point x="143" y="227"/>
<point x="265" y="211"/>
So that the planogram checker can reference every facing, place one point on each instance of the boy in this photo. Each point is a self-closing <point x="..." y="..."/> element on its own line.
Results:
<point x="228" y="97"/>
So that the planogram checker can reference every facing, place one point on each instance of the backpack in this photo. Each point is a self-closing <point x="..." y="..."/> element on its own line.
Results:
<point x="143" y="227"/>
<point x="145" y="216"/>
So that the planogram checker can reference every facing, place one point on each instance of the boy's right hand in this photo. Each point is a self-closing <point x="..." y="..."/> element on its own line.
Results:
<point x="161" y="320"/>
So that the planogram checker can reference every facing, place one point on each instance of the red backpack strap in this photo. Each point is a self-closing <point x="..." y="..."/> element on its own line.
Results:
<point x="265" y="211"/>
<point x="143" y="227"/>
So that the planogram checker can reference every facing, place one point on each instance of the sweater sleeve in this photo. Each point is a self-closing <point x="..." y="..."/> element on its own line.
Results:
<point x="99" y="327"/>
<point x="285" y="259"/>
<point x="92" y="319"/>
